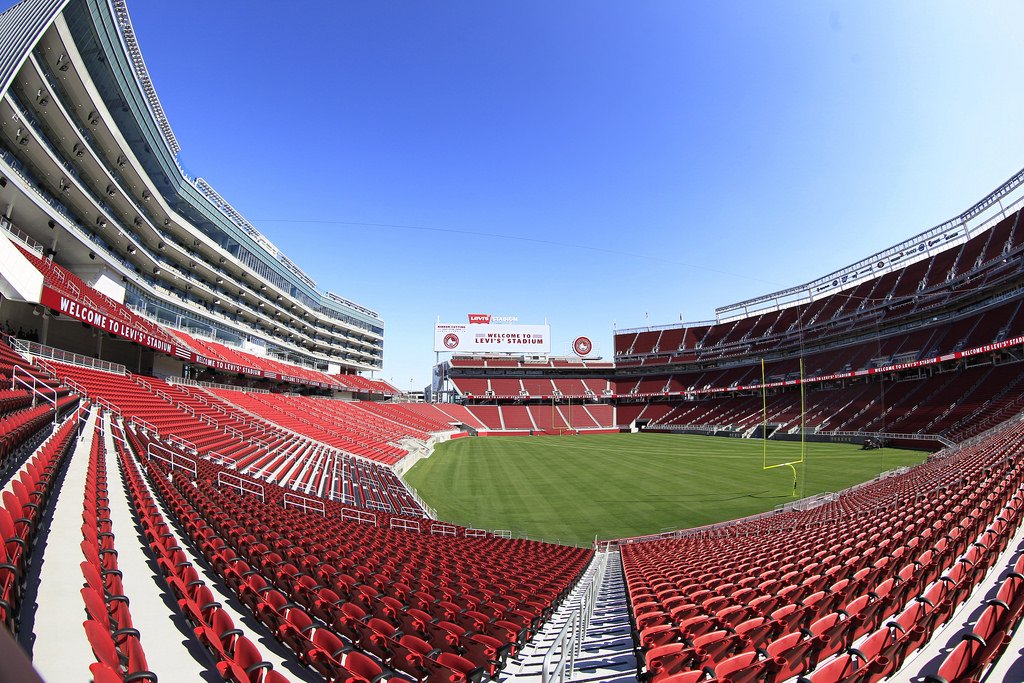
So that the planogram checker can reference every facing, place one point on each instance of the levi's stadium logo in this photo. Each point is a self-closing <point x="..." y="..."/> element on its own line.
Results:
<point x="480" y="318"/>
<point x="582" y="346"/>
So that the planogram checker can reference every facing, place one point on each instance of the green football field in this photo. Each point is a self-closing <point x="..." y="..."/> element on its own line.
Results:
<point x="573" y="488"/>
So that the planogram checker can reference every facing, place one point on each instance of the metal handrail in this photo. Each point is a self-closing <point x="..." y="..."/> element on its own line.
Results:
<point x="176" y="460"/>
<point x="34" y="387"/>
<point x="568" y="644"/>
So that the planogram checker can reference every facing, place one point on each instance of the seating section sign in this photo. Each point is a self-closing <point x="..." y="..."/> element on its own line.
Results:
<point x="489" y="338"/>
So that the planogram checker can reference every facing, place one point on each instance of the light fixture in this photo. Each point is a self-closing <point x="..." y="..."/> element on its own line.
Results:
<point x="92" y="256"/>
<point x="156" y="271"/>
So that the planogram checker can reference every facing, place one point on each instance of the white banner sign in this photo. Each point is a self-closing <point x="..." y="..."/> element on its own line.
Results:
<point x="481" y="338"/>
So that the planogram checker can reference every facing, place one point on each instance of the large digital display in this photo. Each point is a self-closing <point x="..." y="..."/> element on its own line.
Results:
<point x="488" y="338"/>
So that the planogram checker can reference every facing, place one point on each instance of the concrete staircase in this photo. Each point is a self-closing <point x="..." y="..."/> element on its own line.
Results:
<point x="605" y="652"/>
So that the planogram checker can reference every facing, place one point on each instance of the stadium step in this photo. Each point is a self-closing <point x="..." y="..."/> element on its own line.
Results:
<point x="60" y="650"/>
<point x="606" y="653"/>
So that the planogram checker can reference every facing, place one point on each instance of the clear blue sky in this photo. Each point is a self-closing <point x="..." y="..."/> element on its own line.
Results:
<point x="665" y="157"/>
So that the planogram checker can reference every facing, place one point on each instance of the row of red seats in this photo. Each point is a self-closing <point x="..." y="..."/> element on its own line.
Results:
<point x="216" y="428"/>
<point x="730" y="606"/>
<point x="23" y="507"/>
<point x="14" y="399"/>
<point x="238" y="659"/>
<point x="889" y="297"/>
<point x="219" y="351"/>
<point x="989" y="636"/>
<point x="17" y="427"/>
<point x="213" y="626"/>
<point x="112" y="636"/>
<point x="398" y="412"/>
<point x="922" y="405"/>
<point x="379" y="586"/>
<point x="350" y="593"/>
<point x="331" y="422"/>
<point x="290" y="601"/>
<point x="446" y="415"/>
<point x="882" y="652"/>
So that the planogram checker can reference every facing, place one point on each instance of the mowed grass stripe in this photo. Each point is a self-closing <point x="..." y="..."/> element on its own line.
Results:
<point x="574" y="488"/>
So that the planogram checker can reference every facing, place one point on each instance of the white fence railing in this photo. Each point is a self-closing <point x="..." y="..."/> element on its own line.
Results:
<point x="241" y="485"/>
<point x="183" y="444"/>
<point x="213" y="385"/>
<point x="108" y="405"/>
<point x="305" y="504"/>
<point x="174" y="460"/>
<point x="405" y="524"/>
<point x="144" y="425"/>
<point x="37" y="350"/>
<point x="359" y="516"/>
<point x="37" y="388"/>
<point x="892" y="436"/>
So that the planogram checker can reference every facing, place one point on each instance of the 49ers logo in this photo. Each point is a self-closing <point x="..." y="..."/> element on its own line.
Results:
<point x="451" y="340"/>
<point x="582" y="346"/>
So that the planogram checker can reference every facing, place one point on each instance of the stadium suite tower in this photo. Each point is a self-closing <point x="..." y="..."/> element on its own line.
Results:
<point x="91" y="180"/>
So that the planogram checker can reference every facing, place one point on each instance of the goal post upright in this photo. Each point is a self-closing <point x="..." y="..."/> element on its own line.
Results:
<point x="803" y="423"/>
<point x="764" y="419"/>
<point x="764" y="428"/>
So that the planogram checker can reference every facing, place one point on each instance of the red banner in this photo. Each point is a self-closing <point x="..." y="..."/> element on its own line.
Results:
<point x="73" y="309"/>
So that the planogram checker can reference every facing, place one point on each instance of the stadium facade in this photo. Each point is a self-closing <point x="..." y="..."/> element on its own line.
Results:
<point x="91" y="180"/>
